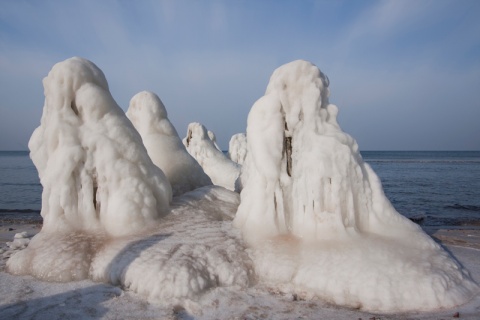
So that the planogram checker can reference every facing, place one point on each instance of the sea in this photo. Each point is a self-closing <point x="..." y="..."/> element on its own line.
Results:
<point x="436" y="189"/>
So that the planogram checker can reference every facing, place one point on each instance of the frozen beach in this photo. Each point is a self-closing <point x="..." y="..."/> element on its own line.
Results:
<point x="24" y="297"/>
<point x="166" y="227"/>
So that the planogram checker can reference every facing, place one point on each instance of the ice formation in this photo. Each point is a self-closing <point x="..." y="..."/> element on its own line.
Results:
<point x="95" y="172"/>
<point x="164" y="146"/>
<point x="316" y="214"/>
<point x="237" y="148"/>
<point x="96" y="175"/>
<point x="216" y="165"/>
<point x="213" y="137"/>
<point x="105" y="203"/>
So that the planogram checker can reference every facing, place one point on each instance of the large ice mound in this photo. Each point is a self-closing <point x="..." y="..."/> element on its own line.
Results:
<point x="106" y="206"/>
<point x="316" y="214"/>
<point x="223" y="171"/>
<point x="164" y="146"/>
<point x="95" y="172"/>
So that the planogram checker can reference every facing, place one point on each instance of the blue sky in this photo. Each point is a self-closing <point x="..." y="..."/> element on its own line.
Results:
<point x="404" y="74"/>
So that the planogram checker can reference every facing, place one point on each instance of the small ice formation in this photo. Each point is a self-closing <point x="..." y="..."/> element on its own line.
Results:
<point x="316" y="216"/>
<point x="223" y="171"/>
<point x="213" y="137"/>
<point x="108" y="210"/>
<point x="164" y="146"/>
<point x="237" y="148"/>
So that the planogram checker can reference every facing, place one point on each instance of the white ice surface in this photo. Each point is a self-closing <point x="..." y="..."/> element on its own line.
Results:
<point x="213" y="137"/>
<point x="237" y="148"/>
<point x="95" y="172"/>
<point x="190" y="251"/>
<point x="23" y="297"/>
<point x="316" y="214"/>
<point x="223" y="171"/>
<point x="164" y="146"/>
<point x="191" y="261"/>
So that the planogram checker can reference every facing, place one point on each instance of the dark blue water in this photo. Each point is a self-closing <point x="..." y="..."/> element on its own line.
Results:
<point x="441" y="187"/>
<point x="20" y="188"/>
<point x="436" y="188"/>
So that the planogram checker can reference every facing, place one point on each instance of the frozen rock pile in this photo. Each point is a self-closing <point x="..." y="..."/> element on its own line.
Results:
<point x="314" y="214"/>
<point x="106" y="206"/>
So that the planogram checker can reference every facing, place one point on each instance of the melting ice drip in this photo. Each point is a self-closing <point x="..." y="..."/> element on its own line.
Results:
<point x="316" y="214"/>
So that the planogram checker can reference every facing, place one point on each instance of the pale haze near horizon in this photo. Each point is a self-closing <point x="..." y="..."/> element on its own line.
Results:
<point x="404" y="74"/>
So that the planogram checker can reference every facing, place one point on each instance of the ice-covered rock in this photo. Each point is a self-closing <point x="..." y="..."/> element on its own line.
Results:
<point x="316" y="214"/>
<point x="223" y="171"/>
<point x="164" y="146"/>
<point x="105" y="203"/>
<point x="95" y="172"/>
<point x="237" y="148"/>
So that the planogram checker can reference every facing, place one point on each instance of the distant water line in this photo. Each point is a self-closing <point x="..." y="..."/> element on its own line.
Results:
<point x="434" y="188"/>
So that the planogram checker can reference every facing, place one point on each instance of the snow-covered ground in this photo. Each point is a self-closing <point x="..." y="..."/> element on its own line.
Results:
<point x="24" y="297"/>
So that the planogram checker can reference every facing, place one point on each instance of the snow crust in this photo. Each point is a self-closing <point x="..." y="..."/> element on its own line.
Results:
<point x="316" y="215"/>
<point x="223" y="171"/>
<point x="164" y="146"/>
<point x="237" y="148"/>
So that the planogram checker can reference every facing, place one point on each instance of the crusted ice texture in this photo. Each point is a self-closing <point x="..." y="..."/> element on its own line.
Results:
<point x="223" y="171"/>
<point x="95" y="172"/>
<point x="97" y="178"/>
<point x="316" y="215"/>
<point x="164" y="146"/>
<point x="237" y="148"/>
<point x="106" y="206"/>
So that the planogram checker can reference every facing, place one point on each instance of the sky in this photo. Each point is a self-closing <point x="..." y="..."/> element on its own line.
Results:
<point x="405" y="75"/>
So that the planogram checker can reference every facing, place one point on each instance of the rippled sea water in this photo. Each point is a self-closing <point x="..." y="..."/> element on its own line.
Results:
<point x="440" y="188"/>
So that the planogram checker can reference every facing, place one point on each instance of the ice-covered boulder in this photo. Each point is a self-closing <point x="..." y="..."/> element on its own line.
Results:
<point x="164" y="146"/>
<point x="98" y="180"/>
<point x="331" y="231"/>
<point x="223" y="171"/>
<point x="237" y="148"/>
<point x="105" y="203"/>
<point x="95" y="172"/>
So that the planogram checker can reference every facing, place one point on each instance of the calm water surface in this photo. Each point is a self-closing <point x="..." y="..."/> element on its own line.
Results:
<point x="439" y="188"/>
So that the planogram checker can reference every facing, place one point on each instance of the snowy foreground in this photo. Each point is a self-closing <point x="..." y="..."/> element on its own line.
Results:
<point x="24" y="297"/>
<point x="310" y="229"/>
